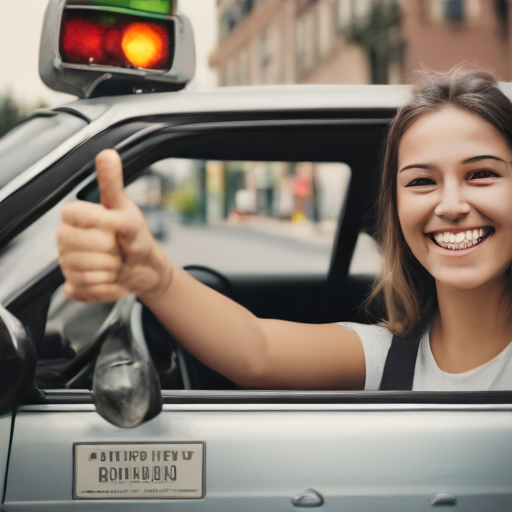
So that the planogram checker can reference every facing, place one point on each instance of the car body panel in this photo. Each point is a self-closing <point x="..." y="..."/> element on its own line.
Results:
<point x="5" y="437"/>
<point x="377" y="457"/>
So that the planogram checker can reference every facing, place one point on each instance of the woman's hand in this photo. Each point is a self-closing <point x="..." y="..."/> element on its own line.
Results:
<point x="107" y="251"/>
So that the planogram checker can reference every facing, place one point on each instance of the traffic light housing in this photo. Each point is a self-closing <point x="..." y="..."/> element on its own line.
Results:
<point x="104" y="47"/>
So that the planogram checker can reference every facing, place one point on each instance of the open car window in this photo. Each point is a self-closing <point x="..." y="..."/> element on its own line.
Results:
<point x="66" y="329"/>
<point x="273" y="226"/>
<point x="215" y="218"/>
<point x="242" y="217"/>
<point x="268" y="217"/>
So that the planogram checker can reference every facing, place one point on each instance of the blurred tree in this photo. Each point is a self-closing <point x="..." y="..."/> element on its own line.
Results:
<point x="187" y="201"/>
<point x="379" y="34"/>
<point x="13" y="113"/>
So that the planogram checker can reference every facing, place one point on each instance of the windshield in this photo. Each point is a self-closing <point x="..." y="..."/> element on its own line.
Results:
<point x="42" y="134"/>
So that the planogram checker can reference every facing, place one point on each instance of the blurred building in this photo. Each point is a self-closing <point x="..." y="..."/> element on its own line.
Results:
<point x="356" y="41"/>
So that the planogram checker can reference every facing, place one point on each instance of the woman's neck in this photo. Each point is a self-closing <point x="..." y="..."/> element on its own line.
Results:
<point x="468" y="330"/>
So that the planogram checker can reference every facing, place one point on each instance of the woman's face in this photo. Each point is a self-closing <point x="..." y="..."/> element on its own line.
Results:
<point x="454" y="191"/>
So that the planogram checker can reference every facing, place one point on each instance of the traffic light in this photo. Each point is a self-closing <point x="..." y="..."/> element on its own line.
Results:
<point x="106" y="39"/>
<point x="106" y="47"/>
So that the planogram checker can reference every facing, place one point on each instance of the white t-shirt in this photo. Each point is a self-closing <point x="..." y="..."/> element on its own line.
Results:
<point x="376" y="339"/>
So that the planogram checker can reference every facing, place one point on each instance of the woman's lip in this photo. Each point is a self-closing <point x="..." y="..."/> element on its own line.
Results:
<point x="461" y="252"/>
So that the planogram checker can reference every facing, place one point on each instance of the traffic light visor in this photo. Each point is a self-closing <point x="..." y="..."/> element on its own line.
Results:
<point x="99" y="38"/>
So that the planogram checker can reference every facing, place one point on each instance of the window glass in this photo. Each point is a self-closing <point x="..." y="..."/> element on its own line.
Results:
<point x="244" y="217"/>
<point x="42" y="134"/>
<point x="366" y="258"/>
<point x="30" y="253"/>
<point x="345" y="13"/>
<point x="326" y="28"/>
<point x="454" y="9"/>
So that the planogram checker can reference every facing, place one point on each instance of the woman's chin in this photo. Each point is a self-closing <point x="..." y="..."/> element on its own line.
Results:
<point x="463" y="279"/>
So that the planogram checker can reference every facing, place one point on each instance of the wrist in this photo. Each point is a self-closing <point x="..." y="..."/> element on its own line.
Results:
<point x="163" y="271"/>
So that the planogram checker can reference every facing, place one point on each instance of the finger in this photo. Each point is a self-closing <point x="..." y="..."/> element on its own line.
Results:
<point x="86" y="215"/>
<point x="83" y="261"/>
<point x="74" y="293"/>
<point x="90" y="277"/>
<point x="95" y="293"/>
<point x="71" y="239"/>
<point x="110" y="179"/>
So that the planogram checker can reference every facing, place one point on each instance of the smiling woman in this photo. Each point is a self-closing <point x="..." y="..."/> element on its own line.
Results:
<point x="446" y="227"/>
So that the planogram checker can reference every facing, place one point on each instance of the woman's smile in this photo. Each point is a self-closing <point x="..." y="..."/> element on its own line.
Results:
<point x="454" y="187"/>
<point x="461" y="238"/>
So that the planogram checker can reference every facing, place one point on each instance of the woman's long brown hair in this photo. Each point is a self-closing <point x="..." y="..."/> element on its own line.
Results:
<point x="407" y="291"/>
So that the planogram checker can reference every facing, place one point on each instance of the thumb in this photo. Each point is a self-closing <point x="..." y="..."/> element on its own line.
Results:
<point x="110" y="179"/>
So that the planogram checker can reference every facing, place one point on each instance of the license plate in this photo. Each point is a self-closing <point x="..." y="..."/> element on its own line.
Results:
<point x="160" y="470"/>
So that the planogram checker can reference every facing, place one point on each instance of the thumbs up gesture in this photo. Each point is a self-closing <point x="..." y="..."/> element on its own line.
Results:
<point x="107" y="251"/>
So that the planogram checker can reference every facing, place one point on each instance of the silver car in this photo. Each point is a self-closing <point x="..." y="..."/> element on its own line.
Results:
<point x="264" y="194"/>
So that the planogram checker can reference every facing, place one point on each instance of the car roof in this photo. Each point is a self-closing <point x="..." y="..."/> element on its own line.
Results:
<point x="243" y="99"/>
<point x="247" y="98"/>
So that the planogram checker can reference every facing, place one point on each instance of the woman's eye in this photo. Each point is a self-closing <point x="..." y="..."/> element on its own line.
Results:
<point x="421" y="182"/>
<point x="483" y="174"/>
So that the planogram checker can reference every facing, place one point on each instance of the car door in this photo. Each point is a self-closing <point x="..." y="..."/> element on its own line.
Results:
<point x="252" y="449"/>
<point x="5" y="434"/>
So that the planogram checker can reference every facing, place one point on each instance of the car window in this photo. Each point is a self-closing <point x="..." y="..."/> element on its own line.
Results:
<point x="271" y="231"/>
<point x="366" y="258"/>
<point x="242" y="217"/>
<point x="42" y="133"/>
<point x="30" y="253"/>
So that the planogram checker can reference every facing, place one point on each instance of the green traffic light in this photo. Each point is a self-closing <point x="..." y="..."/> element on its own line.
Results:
<point x="153" y="6"/>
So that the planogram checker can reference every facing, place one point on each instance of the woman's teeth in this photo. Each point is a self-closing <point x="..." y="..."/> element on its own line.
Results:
<point x="462" y="240"/>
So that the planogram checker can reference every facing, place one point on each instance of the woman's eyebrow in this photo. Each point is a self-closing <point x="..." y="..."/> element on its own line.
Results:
<point x="471" y="160"/>
<point x="418" y="166"/>
<point x="481" y="157"/>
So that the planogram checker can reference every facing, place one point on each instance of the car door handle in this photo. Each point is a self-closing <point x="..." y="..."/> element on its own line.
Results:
<point x="308" y="498"/>
<point x="442" y="500"/>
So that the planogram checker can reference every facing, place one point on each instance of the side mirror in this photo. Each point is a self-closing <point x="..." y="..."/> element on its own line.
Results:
<point x="17" y="361"/>
<point x="126" y="389"/>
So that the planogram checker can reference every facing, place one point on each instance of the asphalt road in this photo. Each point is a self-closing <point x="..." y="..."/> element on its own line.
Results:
<point x="240" y="250"/>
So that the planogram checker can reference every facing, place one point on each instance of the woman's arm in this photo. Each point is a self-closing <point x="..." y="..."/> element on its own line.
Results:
<point x="107" y="251"/>
<point x="254" y="352"/>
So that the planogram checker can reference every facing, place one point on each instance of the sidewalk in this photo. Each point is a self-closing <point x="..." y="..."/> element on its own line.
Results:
<point x="320" y="235"/>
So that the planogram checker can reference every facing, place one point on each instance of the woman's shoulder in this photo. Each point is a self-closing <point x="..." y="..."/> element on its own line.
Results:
<point x="376" y="340"/>
<point x="374" y="332"/>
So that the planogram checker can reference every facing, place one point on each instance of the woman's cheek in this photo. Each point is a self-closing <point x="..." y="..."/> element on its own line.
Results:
<point x="492" y="202"/>
<point x="410" y="214"/>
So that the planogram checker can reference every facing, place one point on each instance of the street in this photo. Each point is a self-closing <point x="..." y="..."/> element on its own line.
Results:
<point x="232" y="249"/>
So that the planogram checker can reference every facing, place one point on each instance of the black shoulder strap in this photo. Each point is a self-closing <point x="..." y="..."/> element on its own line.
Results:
<point x="400" y="362"/>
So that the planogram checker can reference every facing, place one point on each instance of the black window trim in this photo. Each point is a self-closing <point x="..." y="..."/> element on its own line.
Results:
<point x="240" y="397"/>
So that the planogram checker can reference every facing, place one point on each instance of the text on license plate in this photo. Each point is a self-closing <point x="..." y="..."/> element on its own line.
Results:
<point x="160" y="470"/>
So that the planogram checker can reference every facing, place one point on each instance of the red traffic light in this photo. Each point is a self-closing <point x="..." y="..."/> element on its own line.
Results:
<point x="100" y="39"/>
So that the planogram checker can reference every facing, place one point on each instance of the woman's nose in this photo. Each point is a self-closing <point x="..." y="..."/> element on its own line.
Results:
<point x="452" y="204"/>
